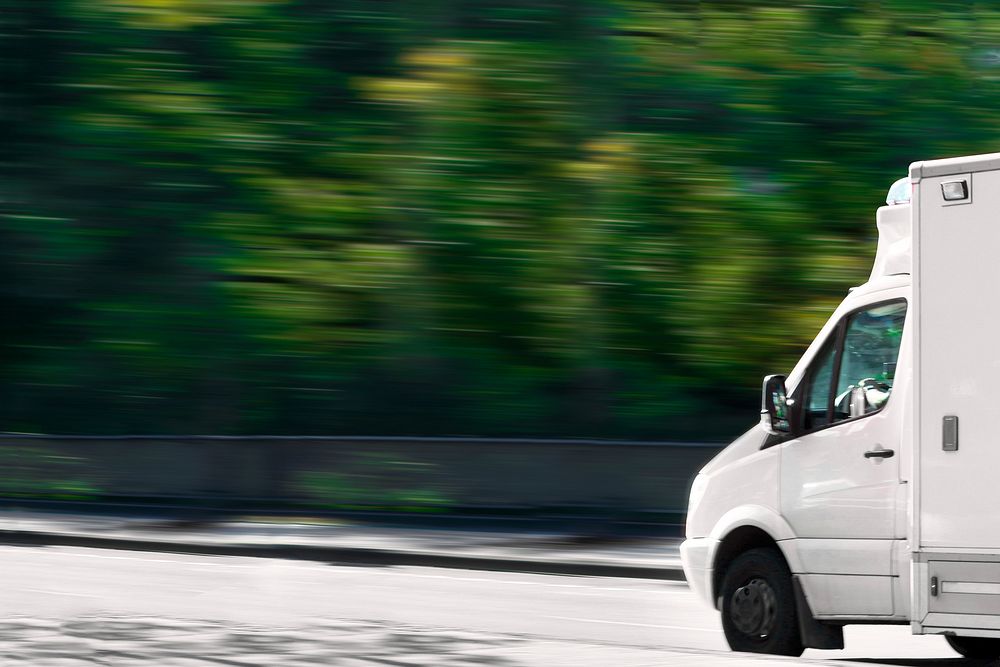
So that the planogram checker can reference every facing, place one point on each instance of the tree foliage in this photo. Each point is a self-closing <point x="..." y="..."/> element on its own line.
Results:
<point x="564" y="218"/>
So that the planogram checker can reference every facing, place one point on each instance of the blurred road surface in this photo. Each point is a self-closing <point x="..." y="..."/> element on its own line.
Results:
<point x="70" y="606"/>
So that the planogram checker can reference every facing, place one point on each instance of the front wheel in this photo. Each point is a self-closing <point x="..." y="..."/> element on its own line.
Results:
<point x="758" y="605"/>
<point x="982" y="648"/>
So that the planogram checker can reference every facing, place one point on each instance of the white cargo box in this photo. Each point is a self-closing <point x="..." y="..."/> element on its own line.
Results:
<point x="955" y="517"/>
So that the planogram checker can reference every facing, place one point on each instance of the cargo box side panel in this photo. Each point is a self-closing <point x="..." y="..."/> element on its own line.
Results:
<point x="957" y="302"/>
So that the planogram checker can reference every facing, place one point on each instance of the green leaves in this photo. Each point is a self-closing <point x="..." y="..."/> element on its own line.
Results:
<point x="591" y="218"/>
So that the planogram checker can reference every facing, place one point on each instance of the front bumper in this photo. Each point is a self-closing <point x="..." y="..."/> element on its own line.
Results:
<point x="696" y="555"/>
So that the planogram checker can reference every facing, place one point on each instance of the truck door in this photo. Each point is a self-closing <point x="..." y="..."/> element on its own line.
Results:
<point x="840" y="476"/>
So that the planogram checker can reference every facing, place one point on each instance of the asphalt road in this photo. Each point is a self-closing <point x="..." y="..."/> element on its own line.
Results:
<point x="65" y="606"/>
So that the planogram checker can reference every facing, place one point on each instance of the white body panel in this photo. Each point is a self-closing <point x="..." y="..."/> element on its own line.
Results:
<point x="846" y="596"/>
<point x="830" y="490"/>
<point x="752" y="476"/>
<point x="959" y="494"/>
<point x="955" y="534"/>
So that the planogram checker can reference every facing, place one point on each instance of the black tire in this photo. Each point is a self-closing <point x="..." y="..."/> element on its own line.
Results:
<point x="979" y="648"/>
<point x="758" y="605"/>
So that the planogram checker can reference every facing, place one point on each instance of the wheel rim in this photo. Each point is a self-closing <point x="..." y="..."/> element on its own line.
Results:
<point x="753" y="608"/>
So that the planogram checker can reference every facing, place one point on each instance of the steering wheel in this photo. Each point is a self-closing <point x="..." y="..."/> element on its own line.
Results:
<point x="872" y="383"/>
<point x="842" y="403"/>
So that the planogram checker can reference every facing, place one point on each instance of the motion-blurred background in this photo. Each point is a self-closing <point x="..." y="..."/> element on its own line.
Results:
<point x="586" y="218"/>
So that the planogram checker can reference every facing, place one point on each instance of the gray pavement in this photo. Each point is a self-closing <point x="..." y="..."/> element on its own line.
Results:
<point x="206" y="598"/>
<point x="314" y="539"/>
<point x="71" y="606"/>
<point x="124" y="641"/>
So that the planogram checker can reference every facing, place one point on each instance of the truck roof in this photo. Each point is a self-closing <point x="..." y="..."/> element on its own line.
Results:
<point x="966" y="164"/>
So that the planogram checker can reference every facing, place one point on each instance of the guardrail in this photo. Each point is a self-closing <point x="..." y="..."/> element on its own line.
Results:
<point x="619" y="481"/>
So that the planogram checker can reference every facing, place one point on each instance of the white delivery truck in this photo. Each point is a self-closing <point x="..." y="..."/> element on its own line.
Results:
<point x="870" y="490"/>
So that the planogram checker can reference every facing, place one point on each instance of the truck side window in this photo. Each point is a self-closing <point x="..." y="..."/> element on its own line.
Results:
<point x="817" y="399"/>
<point x="868" y="361"/>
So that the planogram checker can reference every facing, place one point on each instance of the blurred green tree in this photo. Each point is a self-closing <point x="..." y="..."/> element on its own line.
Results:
<point x="601" y="218"/>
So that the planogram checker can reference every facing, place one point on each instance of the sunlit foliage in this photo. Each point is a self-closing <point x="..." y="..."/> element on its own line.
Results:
<point x="599" y="218"/>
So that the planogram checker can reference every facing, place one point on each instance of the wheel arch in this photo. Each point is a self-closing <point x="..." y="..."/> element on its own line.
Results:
<point x="748" y="528"/>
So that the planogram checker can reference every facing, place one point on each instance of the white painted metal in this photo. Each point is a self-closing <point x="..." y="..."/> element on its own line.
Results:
<point x="970" y="588"/>
<point x="743" y="476"/>
<point x="893" y="256"/>
<point x="696" y="557"/>
<point x="848" y="596"/>
<point x="838" y="556"/>
<point x="959" y="365"/>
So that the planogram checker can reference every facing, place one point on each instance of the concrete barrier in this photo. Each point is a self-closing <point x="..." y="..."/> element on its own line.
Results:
<point x="447" y="475"/>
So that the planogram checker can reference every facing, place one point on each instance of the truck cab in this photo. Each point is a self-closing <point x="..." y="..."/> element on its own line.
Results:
<point x="834" y="508"/>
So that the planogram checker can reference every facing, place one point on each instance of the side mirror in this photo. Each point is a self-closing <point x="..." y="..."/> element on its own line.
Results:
<point x="774" y="409"/>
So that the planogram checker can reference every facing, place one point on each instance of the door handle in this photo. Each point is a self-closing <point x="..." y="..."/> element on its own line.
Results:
<point x="879" y="453"/>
